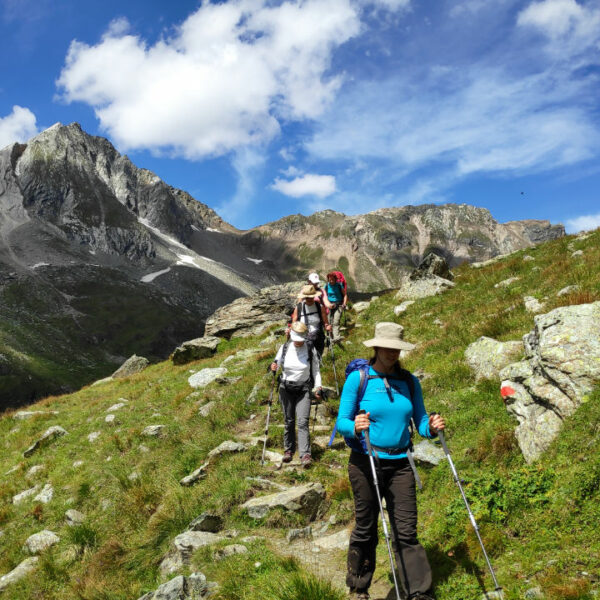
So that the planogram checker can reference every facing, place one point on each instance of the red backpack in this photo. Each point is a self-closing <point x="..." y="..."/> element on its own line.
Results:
<point x="341" y="279"/>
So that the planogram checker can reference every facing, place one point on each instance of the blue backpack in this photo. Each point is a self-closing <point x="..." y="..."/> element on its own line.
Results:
<point x="363" y="365"/>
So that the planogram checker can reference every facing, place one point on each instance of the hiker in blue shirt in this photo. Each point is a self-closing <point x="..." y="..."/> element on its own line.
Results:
<point x="391" y="398"/>
<point x="337" y="298"/>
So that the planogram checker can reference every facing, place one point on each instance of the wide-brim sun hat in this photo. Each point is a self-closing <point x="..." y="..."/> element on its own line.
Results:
<point x="308" y="291"/>
<point x="389" y="335"/>
<point x="298" y="332"/>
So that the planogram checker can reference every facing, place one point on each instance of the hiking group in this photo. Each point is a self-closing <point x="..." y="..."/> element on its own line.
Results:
<point x="379" y="402"/>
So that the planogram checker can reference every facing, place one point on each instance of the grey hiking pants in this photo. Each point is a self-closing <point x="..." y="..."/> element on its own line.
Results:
<point x="335" y="314"/>
<point x="397" y="486"/>
<point x="296" y="407"/>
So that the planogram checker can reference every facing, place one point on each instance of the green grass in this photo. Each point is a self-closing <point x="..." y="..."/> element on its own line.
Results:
<point x="538" y="521"/>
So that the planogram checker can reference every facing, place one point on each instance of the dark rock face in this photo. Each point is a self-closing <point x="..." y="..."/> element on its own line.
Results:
<point x="100" y="260"/>
<point x="432" y="264"/>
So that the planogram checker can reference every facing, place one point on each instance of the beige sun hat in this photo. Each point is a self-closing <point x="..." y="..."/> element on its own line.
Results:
<point x="308" y="291"/>
<point x="389" y="335"/>
<point x="298" y="332"/>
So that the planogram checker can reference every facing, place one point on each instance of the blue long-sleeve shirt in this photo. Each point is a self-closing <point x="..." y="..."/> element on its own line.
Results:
<point x="389" y="420"/>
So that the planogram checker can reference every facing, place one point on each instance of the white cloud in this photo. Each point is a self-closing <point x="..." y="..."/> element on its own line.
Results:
<point x="583" y="223"/>
<point x="306" y="185"/>
<point x="291" y="171"/>
<point x="392" y="5"/>
<point x="572" y="28"/>
<point x="229" y="76"/>
<point x="18" y="126"/>
<point x="480" y="122"/>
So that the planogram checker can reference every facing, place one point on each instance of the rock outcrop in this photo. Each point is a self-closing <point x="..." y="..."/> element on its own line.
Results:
<point x="561" y="367"/>
<point x="195" y="350"/>
<point x="487" y="357"/>
<point x="256" y="313"/>
<point x="304" y="499"/>
<point x="425" y="280"/>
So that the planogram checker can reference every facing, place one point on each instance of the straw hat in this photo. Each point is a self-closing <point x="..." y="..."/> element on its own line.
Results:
<point x="389" y="335"/>
<point x="298" y="332"/>
<point x="308" y="291"/>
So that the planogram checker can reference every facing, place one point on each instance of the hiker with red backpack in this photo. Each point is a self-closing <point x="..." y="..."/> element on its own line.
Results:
<point x="338" y="299"/>
<point x="378" y="402"/>
<point x="313" y="315"/>
<point x="300" y="375"/>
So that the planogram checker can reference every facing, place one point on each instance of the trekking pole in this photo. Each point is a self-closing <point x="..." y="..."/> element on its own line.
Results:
<point x="262" y="460"/>
<point x="386" y="533"/>
<point x="471" y="516"/>
<point x="337" y="387"/>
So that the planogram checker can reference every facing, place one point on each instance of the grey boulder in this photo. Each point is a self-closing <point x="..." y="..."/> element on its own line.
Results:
<point x="38" y="542"/>
<point x="134" y="364"/>
<point x="561" y="368"/>
<point x="206" y="376"/>
<point x="51" y="434"/>
<point x="19" y="572"/>
<point x="305" y="499"/>
<point x="487" y="357"/>
<point x="196" y="349"/>
<point x="181" y="588"/>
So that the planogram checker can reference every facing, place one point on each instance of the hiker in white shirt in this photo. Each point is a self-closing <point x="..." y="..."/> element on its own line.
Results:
<point x="300" y="375"/>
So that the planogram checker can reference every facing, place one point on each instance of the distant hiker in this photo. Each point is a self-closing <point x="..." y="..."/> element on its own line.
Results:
<point x="313" y="315"/>
<point x="390" y="397"/>
<point x="300" y="375"/>
<point x="314" y="280"/>
<point x="338" y="298"/>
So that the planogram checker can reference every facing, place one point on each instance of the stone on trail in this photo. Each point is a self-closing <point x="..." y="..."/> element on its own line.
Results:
<point x="193" y="587"/>
<point x="359" y="307"/>
<point x="402" y="307"/>
<point x="207" y="522"/>
<point x="38" y="542"/>
<point x="206" y="376"/>
<point x="561" y="368"/>
<point x="205" y="410"/>
<point x="120" y="404"/>
<point x="487" y="357"/>
<point x="507" y="282"/>
<point x="299" y="533"/>
<point x="154" y="431"/>
<point x="533" y="305"/>
<point x="17" y="499"/>
<point x="110" y="419"/>
<point x="46" y="494"/>
<point x="35" y="470"/>
<point x="195" y="476"/>
<point x="203" y="347"/>
<point x="28" y="414"/>
<point x="134" y="364"/>
<point x="92" y="437"/>
<point x="335" y="541"/>
<point x="74" y="517"/>
<point x="184" y="546"/>
<point x="305" y="499"/>
<point x="51" y="434"/>
<point x="19" y="572"/>
<point x="227" y="446"/>
<point x="230" y="550"/>
<point x="570" y="289"/>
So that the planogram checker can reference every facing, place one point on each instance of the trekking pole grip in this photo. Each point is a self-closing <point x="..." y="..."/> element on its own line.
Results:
<point x="362" y="411"/>
<point x="441" y="435"/>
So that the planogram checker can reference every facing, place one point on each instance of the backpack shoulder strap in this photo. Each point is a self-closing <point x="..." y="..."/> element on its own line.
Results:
<point x="362" y="386"/>
<point x="283" y="353"/>
<point x="407" y="376"/>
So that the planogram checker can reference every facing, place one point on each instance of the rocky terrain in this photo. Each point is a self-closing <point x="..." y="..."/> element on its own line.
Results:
<point x="150" y="485"/>
<point x="377" y="249"/>
<point x="100" y="259"/>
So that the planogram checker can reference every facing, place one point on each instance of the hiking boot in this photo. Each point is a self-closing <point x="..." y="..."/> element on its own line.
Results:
<point x="287" y="456"/>
<point x="420" y="596"/>
<point x="306" y="460"/>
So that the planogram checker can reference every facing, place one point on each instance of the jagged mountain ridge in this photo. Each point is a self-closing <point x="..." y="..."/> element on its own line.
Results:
<point x="100" y="259"/>
<point x="378" y="248"/>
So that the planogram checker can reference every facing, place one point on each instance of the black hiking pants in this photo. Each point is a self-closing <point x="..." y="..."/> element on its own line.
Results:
<point x="397" y="486"/>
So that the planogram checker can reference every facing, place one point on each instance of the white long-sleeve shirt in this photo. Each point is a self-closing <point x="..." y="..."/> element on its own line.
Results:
<point x="296" y="367"/>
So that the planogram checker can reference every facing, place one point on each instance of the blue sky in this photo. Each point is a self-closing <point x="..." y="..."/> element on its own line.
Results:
<point x="263" y="108"/>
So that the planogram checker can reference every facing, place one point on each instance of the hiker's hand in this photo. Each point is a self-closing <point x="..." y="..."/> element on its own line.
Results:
<point x="328" y="327"/>
<point x="319" y="393"/>
<point x="361" y="422"/>
<point x="273" y="366"/>
<point x="436" y="423"/>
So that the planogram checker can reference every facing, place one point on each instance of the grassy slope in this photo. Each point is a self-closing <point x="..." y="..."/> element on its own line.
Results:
<point x="537" y="521"/>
